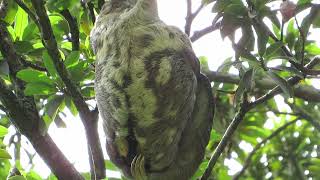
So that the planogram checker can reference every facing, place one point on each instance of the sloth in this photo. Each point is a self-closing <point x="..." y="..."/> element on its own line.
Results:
<point x="156" y="106"/>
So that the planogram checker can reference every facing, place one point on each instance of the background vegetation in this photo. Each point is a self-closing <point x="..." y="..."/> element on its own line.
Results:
<point x="47" y="66"/>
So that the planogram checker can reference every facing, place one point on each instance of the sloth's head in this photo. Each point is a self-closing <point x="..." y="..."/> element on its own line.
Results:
<point x="117" y="6"/>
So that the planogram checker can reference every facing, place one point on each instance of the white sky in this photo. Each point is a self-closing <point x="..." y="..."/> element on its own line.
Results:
<point x="72" y="140"/>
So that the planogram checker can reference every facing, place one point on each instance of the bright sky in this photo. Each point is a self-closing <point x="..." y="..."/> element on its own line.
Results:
<point x="72" y="140"/>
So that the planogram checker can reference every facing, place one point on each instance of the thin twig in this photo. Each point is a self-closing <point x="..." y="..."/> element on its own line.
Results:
<point x="191" y="16"/>
<point x="32" y="65"/>
<point x="226" y="92"/>
<point x="200" y="33"/>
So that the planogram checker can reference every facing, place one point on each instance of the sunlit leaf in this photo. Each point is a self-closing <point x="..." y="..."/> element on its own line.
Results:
<point x="4" y="154"/>
<point x="3" y="131"/>
<point x="39" y="88"/>
<point x="31" y="76"/>
<point x="21" y="22"/>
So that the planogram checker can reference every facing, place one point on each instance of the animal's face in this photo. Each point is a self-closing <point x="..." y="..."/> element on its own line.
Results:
<point x="116" y="6"/>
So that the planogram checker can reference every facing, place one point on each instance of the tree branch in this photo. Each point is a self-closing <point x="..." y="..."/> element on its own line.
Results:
<point x="32" y="65"/>
<point x="200" y="33"/>
<point x="191" y="16"/>
<point x="74" y="29"/>
<point x="42" y="143"/>
<point x="247" y="162"/>
<point x="306" y="92"/>
<point x="89" y="119"/>
<point x="226" y="138"/>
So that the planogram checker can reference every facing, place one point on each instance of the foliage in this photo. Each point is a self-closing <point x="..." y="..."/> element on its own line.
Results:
<point x="292" y="153"/>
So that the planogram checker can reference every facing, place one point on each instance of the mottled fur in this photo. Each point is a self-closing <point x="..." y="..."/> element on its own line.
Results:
<point x="149" y="91"/>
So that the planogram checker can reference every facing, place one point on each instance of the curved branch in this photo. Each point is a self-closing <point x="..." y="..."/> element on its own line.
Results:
<point x="42" y="143"/>
<point x="74" y="29"/>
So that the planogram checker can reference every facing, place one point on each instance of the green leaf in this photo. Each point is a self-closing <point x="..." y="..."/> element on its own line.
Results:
<point x="30" y="32"/>
<point x="220" y="5"/>
<point x="206" y="2"/>
<point x="21" y="22"/>
<point x="256" y="131"/>
<point x="17" y="178"/>
<point x="4" y="68"/>
<point x="32" y="175"/>
<point x="245" y="84"/>
<point x="72" y="59"/>
<point x="3" y="131"/>
<point x="223" y="174"/>
<point x="201" y="170"/>
<point x="237" y="9"/>
<point x="39" y="88"/>
<point x="88" y="92"/>
<point x="58" y="5"/>
<point x="49" y="64"/>
<point x="284" y="85"/>
<point x="247" y="40"/>
<point x="314" y="169"/>
<point x="315" y="161"/>
<point x="272" y="49"/>
<point x="79" y="71"/>
<point x="11" y="13"/>
<point x="303" y="2"/>
<point x="313" y="49"/>
<point x="45" y="124"/>
<point x="110" y="165"/>
<point x="227" y="63"/>
<point x="291" y="35"/>
<point x="262" y="40"/>
<point x="204" y="63"/>
<point x="32" y="76"/>
<point x="292" y="70"/>
<point x="4" y="154"/>
<point x="71" y="106"/>
<point x="52" y="107"/>
<point x="316" y="22"/>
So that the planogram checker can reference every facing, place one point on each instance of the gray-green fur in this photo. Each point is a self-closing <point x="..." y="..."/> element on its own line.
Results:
<point x="152" y="98"/>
